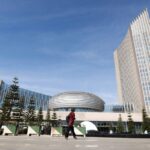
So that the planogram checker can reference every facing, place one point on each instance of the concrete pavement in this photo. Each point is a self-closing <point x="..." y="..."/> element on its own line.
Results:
<point x="59" y="143"/>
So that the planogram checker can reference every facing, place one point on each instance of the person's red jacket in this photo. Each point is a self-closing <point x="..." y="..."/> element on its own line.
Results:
<point x="71" y="119"/>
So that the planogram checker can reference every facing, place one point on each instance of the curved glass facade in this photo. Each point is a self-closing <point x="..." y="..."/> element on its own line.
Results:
<point x="41" y="100"/>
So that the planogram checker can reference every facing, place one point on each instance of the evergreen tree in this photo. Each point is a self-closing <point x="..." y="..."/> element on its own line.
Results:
<point x="48" y="120"/>
<point x="54" y="119"/>
<point x="15" y="101"/>
<point x="130" y="123"/>
<point x="22" y="101"/>
<point x="54" y="116"/>
<point x="6" y="108"/>
<point x="48" y="117"/>
<point x="120" y="127"/>
<point x="40" y="119"/>
<point x="30" y="114"/>
<point x="146" y="121"/>
<point x="40" y="115"/>
<point x="11" y="104"/>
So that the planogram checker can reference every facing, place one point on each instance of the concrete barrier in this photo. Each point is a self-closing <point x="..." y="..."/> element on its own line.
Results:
<point x="56" y="131"/>
<point x="33" y="130"/>
<point x="81" y="131"/>
<point x="9" y="129"/>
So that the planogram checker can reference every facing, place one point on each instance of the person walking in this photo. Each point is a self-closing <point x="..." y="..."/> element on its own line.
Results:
<point x="70" y="122"/>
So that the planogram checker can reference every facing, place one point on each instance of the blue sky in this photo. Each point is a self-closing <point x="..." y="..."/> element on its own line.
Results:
<point x="54" y="46"/>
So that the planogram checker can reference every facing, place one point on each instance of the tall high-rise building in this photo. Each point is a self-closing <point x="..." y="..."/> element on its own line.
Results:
<point x="132" y="63"/>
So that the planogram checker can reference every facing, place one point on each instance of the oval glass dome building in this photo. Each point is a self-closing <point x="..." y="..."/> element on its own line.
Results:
<point x="81" y="101"/>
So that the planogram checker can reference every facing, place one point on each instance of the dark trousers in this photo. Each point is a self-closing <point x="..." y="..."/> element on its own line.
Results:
<point x="72" y="131"/>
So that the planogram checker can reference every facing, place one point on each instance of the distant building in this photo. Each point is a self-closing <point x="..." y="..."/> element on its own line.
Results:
<point x="42" y="100"/>
<point x="81" y="101"/>
<point x="114" y="108"/>
<point x="88" y="107"/>
<point x="132" y="63"/>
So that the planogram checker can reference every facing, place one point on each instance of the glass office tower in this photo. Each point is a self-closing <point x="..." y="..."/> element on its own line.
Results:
<point x="132" y="63"/>
<point x="41" y="100"/>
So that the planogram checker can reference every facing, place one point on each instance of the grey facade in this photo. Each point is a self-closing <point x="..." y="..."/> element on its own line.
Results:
<point x="132" y="63"/>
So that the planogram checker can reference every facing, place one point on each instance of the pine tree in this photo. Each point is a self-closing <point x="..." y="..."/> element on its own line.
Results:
<point x="40" y="115"/>
<point x="15" y="101"/>
<point x="30" y="114"/>
<point x="22" y="106"/>
<point x="54" y="119"/>
<point x="11" y="104"/>
<point x="54" y="116"/>
<point x="120" y="127"/>
<point x="6" y="108"/>
<point x="48" y="117"/>
<point x="146" y="121"/>
<point x="48" y="120"/>
<point x="131" y="127"/>
<point x="40" y="119"/>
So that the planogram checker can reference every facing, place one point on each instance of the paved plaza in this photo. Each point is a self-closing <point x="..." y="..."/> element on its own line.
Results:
<point x="59" y="143"/>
